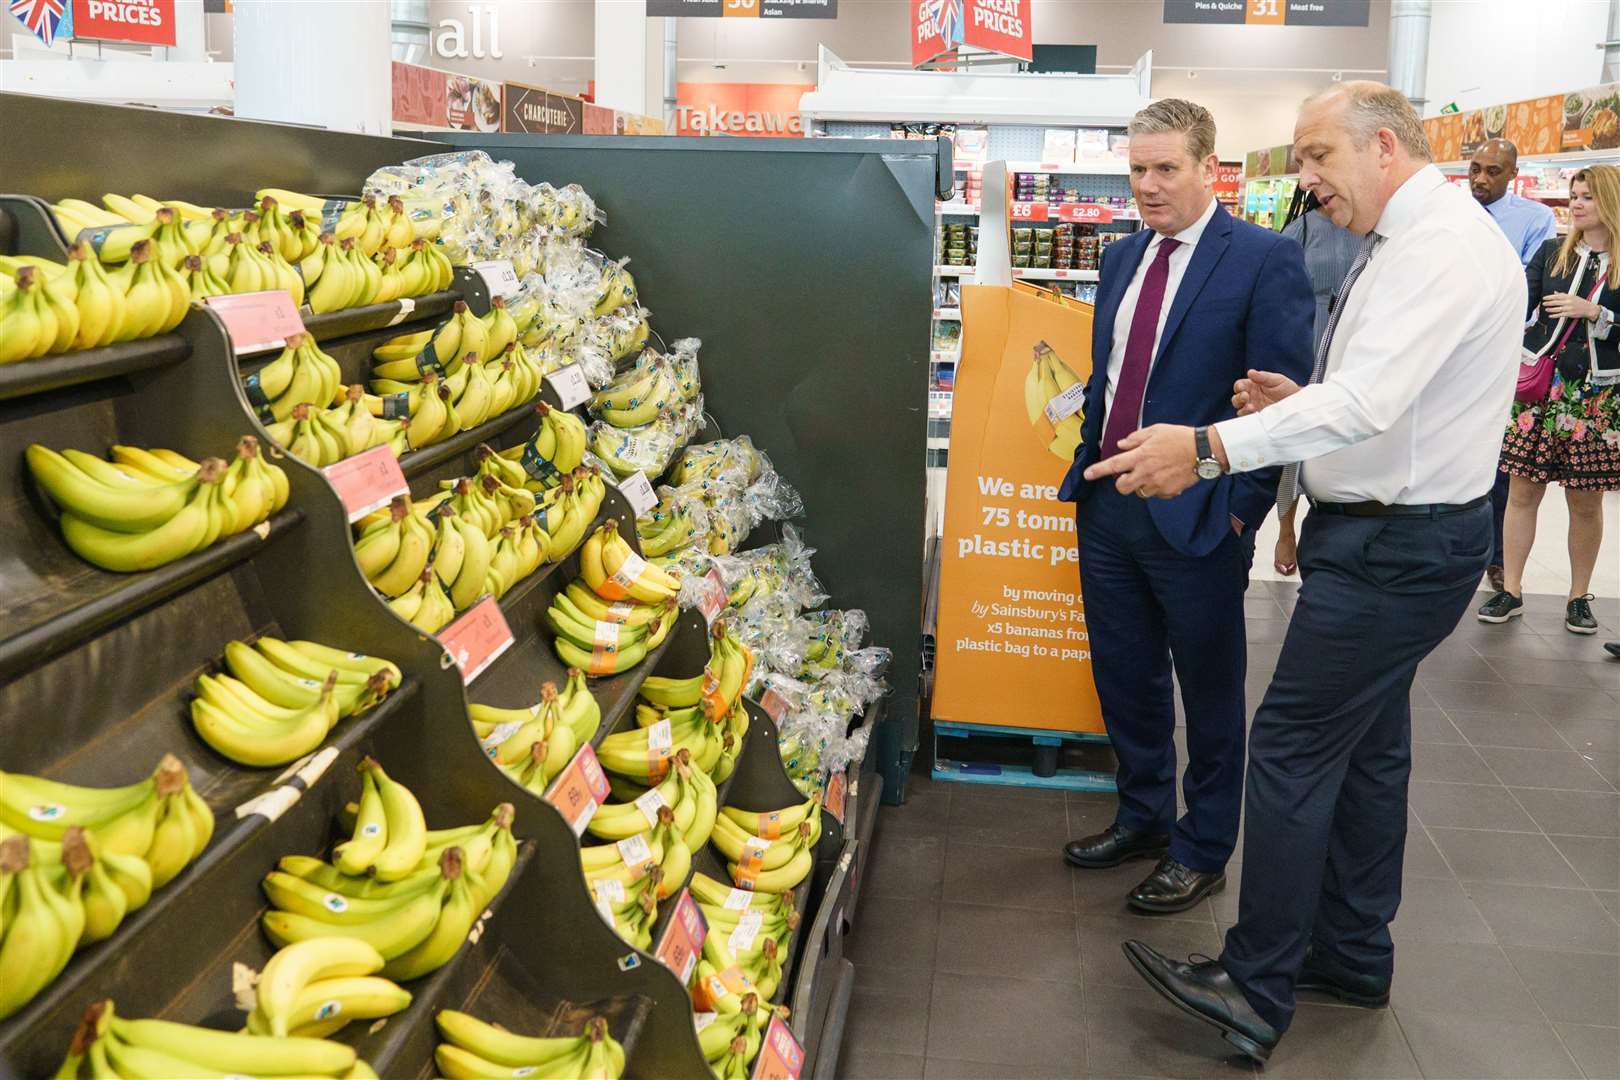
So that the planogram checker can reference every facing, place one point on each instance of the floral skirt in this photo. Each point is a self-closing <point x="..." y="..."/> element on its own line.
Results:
<point x="1572" y="438"/>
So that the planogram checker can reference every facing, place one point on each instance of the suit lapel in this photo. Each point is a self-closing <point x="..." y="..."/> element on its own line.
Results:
<point x="1211" y="246"/>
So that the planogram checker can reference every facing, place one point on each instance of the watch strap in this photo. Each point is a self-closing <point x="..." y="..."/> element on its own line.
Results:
<point x="1201" y="445"/>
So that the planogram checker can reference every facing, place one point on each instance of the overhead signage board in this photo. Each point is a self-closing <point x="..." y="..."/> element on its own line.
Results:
<point x="146" y="22"/>
<point x="742" y="9"/>
<point x="529" y="110"/>
<point x="760" y="110"/>
<point x="1269" y="12"/>
<point x="1001" y="26"/>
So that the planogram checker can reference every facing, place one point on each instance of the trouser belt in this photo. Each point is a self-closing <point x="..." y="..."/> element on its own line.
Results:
<point x="1378" y="509"/>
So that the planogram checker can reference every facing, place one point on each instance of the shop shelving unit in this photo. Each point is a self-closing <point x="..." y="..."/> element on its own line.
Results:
<point x="95" y="667"/>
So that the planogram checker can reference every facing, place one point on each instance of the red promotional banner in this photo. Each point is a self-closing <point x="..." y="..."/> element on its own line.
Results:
<point x="758" y="110"/>
<point x="1002" y="26"/>
<point x="936" y="27"/>
<point x="149" y="22"/>
<point x="421" y="95"/>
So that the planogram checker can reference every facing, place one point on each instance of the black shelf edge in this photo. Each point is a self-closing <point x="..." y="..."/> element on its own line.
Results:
<point x="416" y="462"/>
<point x="46" y="640"/>
<point x="232" y="835"/>
<point x="384" y="316"/>
<point x="90" y="365"/>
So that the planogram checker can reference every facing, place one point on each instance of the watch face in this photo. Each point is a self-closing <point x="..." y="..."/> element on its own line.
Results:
<point x="1209" y="469"/>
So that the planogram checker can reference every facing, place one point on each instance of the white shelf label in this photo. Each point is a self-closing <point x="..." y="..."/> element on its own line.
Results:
<point x="498" y="276"/>
<point x="570" y="385"/>
<point x="638" y="490"/>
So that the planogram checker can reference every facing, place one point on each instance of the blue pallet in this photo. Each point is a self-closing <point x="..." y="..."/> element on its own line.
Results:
<point x="980" y="772"/>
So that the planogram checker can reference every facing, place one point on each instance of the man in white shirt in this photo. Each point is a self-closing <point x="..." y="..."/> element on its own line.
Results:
<point x="1399" y="439"/>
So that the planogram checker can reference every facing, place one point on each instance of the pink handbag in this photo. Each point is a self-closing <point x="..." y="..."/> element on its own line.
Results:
<point x="1535" y="376"/>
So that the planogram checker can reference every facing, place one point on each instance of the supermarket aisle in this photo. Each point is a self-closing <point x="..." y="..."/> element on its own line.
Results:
<point x="980" y="954"/>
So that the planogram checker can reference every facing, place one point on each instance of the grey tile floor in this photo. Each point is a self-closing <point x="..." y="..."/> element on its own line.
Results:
<point x="979" y="954"/>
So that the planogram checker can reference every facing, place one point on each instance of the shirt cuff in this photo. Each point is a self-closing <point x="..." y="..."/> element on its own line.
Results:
<point x="1602" y="325"/>
<point x="1246" y="443"/>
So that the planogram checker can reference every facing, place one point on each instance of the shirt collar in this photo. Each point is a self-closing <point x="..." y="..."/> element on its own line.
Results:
<point x="1405" y="206"/>
<point x="1189" y="236"/>
<point x="1504" y="203"/>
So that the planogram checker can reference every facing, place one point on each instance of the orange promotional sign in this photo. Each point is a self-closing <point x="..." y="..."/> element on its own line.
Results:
<point x="1012" y="644"/>
<point x="758" y="110"/>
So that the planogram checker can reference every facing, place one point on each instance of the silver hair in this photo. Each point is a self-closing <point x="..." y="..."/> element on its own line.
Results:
<point x="1371" y="107"/>
<point x="1175" y="114"/>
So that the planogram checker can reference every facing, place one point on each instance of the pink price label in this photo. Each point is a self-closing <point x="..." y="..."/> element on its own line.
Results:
<point x="1085" y="213"/>
<point x="683" y="940"/>
<point x="368" y="481"/>
<point x="835" y="794"/>
<point x="475" y="640"/>
<point x="780" y="1055"/>
<point x="715" y="597"/>
<point x="257" y="321"/>
<point x="579" y="789"/>
<point x="774" y="704"/>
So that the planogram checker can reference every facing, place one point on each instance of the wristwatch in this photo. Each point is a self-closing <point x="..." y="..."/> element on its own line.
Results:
<point x="1207" y="467"/>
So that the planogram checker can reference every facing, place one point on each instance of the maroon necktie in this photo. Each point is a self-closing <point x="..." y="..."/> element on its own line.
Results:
<point x="1133" y="373"/>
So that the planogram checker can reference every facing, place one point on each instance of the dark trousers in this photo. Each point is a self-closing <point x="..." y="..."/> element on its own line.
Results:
<point x="1148" y="606"/>
<point x="1499" y="499"/>
<point x="1330" y="746"/>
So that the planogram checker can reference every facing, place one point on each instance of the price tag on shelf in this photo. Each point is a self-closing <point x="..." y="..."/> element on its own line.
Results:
<point x="368" y="481"/>
<point x="649" y="803"/>
<point x="1027" y="211"/>
<point x="835" y="795"/>
<point x="498" y="276"/>
<point x="477" y="638"/>
<point x="683" y="938"/>
<point x="774" y="704"/>
<point x="257" y="321"/>
<point x="714" y="598"/>
<point x="1084" y="213"/>
<point x="570" y="385"/>
<point x="638" y="490"/>
<point x="637" y="854"/>
<point x="780" y="1055"/>
<point x="579" y="789"/>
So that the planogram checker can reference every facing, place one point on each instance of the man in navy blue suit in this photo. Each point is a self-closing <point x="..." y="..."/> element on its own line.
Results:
<point x="1184" y="309"/>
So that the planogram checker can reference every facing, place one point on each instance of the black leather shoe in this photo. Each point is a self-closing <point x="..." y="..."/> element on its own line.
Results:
<point x="1173" y="887"/>
<point x="1113" y="846"/>
<point x="1324" y="974"/>
<point x="1204" y="990"/>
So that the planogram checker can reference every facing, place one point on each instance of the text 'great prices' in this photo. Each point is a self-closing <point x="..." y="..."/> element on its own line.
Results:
<point x="149" y="22"/>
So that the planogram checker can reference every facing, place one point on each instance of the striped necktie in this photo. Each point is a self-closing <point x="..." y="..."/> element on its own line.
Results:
<point x="1288" y="485"/>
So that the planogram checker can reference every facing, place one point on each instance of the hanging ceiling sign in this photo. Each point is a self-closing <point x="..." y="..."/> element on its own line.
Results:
<point x="1269" y="12"/>
<point x="742" y="9"/>
<point x="1001" y="26"/>
<point x="148" y="22"/>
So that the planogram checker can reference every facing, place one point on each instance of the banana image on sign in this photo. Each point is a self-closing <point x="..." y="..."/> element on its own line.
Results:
<point x="1054" y="396"/>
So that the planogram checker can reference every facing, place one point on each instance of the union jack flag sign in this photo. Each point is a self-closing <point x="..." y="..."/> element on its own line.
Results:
<point x="45" y="19"/>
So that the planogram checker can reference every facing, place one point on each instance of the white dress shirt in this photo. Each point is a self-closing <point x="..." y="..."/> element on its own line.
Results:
<point x="1179" y="259"/>
<point x="1422" y="367"/>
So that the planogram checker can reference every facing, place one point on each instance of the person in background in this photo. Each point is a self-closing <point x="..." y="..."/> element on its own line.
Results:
<point x="1572" y="435"/>
<point x="1527" y="224"/>
<point x="1183" y="307"/>
<point x="1329" y="251"/>
<point x="1398" y="442"/>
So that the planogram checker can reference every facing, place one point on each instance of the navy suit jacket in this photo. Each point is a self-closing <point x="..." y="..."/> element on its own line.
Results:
<point x="1244" y="302"/>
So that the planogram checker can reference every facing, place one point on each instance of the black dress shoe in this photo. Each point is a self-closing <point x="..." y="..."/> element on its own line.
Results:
<point x="1173" y="887"/>
<point x="1113" y="846"/>
<point x="1326" y="975"/>
<point x="1204" y="990"/>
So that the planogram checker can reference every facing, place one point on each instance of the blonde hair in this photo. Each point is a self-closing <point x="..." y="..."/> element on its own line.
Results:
<point x="1371" y="106"/>
<point x="1604" y="180"/>
<point x="1178" y="115"/>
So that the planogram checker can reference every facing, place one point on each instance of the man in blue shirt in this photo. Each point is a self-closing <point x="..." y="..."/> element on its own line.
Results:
<point x="1528" y="224"/>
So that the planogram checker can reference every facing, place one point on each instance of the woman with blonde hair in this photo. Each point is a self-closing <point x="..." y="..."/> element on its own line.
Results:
<point x="1565" y="424"/>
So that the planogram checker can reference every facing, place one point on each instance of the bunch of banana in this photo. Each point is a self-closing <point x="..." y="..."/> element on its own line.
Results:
<point x="636" y="396"/>
<point x="757" y="944"/>
<point x="395" y="552"/>
<point x="294" y="234"/>
<point x="47" y="308"/>
<point x="45" y="916"/>
<point x="540" y="746"/>
<point x="566" y="511"/>
<point x="153" y="507"/>
<point x="687" y="791"/>
<point x="618" y="288"/>
<point x="580" y="712"/>
<point x="605" y="646"/>
<point x="346" y="429"/>
<point x="314" y="988"/>
<point x="615" y="572"/>
<point x="417" y="916"/>
<point x="408" y="358"/>
<point x="109" y="1047"/>
<point x="717" y="688"/>
<point x="556" y="449"/>
<point x="343" y="276"/>
<point x="734" y="731"/>
<point x="280" y="699"/>
<point x="627" y="878"/>
<point x="663" y="533"/>
<point x="1048" y="390"/>
<point x="303" y="374"/>
<point x="631" y="751"/>
<point x="425" y="605"/>
<point x="760" y="861"/>
<point x="735" y="461"/>
<point x="475" y="1050"/>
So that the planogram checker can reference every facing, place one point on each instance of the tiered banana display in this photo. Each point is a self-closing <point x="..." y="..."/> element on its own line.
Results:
<point x="76" y="860"/>
<point x="618" y="610"/>
<point x="739" y="971"/>
<point x="648" y="412"/>
<point x="411" y="894"/>
<point x="277" y="700"/>
<point x="147" y="508"/>
<point x="476" y="1050"/>
<point x="1051" y="396"/>
<point x="316" y="988"/>
<point x="300" y="399"/>
<point x="110" y="1047"/>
